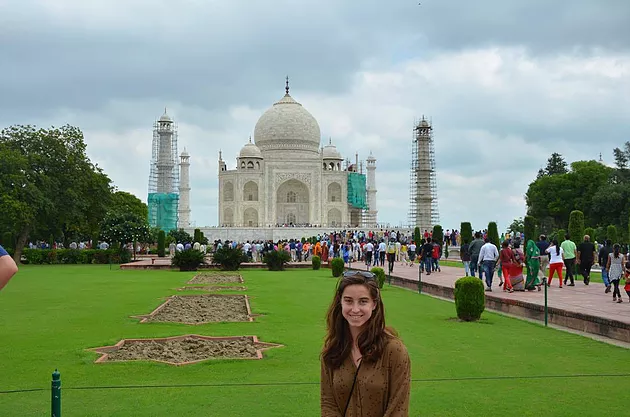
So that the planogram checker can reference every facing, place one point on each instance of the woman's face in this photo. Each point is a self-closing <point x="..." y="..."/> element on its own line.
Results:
<point x="357" y="305"/>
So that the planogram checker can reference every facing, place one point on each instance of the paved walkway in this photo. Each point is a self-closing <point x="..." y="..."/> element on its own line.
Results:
<point x="585" y="299"/>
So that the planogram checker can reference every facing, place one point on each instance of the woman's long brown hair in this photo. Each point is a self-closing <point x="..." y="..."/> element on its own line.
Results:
<point x="371" y="340"/>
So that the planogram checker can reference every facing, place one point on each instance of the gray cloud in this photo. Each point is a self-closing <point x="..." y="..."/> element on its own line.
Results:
<point x="506" y="83"/>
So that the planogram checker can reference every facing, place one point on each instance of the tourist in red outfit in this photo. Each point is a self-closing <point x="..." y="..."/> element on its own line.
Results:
<point x="507" y="260"/>
<point x="557" y="261"/>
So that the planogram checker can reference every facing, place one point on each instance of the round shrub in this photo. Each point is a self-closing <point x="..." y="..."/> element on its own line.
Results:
<point x="380" y="275"/>
<point x="316" y="262"/>
<point x="188" y="260"/>
<point x="337" y="267"/>
<point x="470" y="299"/>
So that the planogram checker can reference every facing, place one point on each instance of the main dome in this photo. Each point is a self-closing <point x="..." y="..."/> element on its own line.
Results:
<point x="287" y="126"/>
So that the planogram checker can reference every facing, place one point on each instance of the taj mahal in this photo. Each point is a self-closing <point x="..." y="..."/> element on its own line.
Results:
<point x="283" y="179"/>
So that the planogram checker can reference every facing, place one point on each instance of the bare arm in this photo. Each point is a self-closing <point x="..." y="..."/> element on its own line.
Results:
<point x="8" y="268"/>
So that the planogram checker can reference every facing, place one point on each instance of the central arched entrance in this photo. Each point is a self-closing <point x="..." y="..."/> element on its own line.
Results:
<point x="292" y="203"/>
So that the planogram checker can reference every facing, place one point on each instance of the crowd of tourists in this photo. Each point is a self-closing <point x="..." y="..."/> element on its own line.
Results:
<point x="544" y="260"/>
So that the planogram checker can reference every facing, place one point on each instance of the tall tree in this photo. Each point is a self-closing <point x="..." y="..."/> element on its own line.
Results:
<point x="529" y="228"/>
<point x="125" y="202"/>
<point x="466" y="232"/>
<point x="517" y="225"/>
<point x="556" y="165"/>
<point x="493" y="235"/>
<point x="576" y="226"/>
<point x="621" y="158"/>
<point x="47" y="183"/>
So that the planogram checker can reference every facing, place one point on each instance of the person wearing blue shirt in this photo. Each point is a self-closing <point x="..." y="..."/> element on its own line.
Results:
<point x="8" y="268"/>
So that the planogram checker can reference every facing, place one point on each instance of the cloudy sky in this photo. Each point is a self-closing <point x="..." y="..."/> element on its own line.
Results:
<point x="506" y="83"/>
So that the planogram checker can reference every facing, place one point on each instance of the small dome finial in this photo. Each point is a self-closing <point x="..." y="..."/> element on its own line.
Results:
<point x="250" y="138"/>
<point x="329" y="140"/>
<point x="286" y="88"/>
<point x="220" y="155"/>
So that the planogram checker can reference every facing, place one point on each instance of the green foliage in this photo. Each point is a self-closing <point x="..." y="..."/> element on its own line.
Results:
<point x="7" y="240"/>
<point x="380" y="275"/>
<point x="124" y="227"/>
<point x="74" y="256"/>
<point x="60" y="189"/>
<point x="188" y="260"/>
<point x="417" y="236"/>
<point x="560" y="235"/>
<point x="181" y="236"/>
<point x="161" y="243"/>
<point x="517" y="226"/>
<point x="337" y="266"/>
<point x="470" y="300"/>
<point x="229" y="258"/>
<point x="438" y="234"/>
<point x="591" y="232"/>
<point x="611" y="233"/>
<point x="466" y="232"/>
<point x="493" y="234"/>
<point x="589" y="186"/>
<point x="316" y="261"/>
<point x="556" y="165"/>
<point x="276" y="260"/>
<point x="529" y="228"/>
<point x="124" y="202"/>
<point x="576" y="226"/>
<point x="197" y="235"/>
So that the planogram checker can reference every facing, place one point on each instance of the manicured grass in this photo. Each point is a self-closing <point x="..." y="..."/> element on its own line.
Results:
<point x="49" y="315"/>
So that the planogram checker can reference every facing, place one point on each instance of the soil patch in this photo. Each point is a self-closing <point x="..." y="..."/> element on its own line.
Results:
<point x="216" y="278"/>
<point x="212" y="288"/>
<point x="198" y="309"/>
<point x="182" y="350"/>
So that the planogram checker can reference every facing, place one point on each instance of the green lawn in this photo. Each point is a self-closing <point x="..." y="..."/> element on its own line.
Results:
<point x="49" y="315"/>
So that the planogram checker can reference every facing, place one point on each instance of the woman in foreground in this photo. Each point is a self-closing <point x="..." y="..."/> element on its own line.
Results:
<point x="365" y="367"/>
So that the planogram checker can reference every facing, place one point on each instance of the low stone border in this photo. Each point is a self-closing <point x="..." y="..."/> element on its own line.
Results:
<point x="150" y="317"/>
<point x="218" y="278"/>
<point x="105" y="351"/>
<point x="212" y="288"/>
<point x="583" y="322"/>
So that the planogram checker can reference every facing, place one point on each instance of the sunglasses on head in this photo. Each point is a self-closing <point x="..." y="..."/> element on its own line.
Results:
<point x="364" y="274"/>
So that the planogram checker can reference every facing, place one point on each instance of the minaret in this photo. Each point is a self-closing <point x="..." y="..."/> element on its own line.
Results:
<point x="184" y="191"/>
<point x="371" y="190"/>
<point x="165" y="160"/>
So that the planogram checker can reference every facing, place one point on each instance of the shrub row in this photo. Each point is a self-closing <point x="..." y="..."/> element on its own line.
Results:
<point x="74" y="256"/>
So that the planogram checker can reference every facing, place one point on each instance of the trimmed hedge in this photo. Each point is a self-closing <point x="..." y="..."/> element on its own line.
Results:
<point x="337" y="266"/>
<point x="380" y="275"/>
<point x="74" y="256"/>
<point x="316" y="262"/>
<point x="161" y="244"/>
<point x="470" y="299"/>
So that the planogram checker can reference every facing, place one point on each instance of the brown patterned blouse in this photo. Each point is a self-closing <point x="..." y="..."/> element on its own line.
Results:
<point x="381" y="390"/>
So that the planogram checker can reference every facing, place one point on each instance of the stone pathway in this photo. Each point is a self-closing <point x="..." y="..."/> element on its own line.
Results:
<point x="581" y="298"/>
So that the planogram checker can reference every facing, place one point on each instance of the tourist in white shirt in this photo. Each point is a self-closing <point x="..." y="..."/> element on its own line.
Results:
<point x="488" y="256"/>
<point x="557" y="261"/>
<point x="369" y="250"/>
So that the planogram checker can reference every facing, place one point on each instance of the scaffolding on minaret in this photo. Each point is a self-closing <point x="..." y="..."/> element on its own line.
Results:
<point x="164" y="175"/>
<point x="423" y="199"/>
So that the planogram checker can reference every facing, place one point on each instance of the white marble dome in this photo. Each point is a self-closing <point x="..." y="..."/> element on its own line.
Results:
<point x="287" y="126"/>
<point x="250" y="151"/>
<point x="330" y="152"/>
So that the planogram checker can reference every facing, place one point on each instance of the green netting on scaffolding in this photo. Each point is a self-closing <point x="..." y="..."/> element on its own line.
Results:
<point x="163" y="210"/>
<point x="356" y="190"/>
